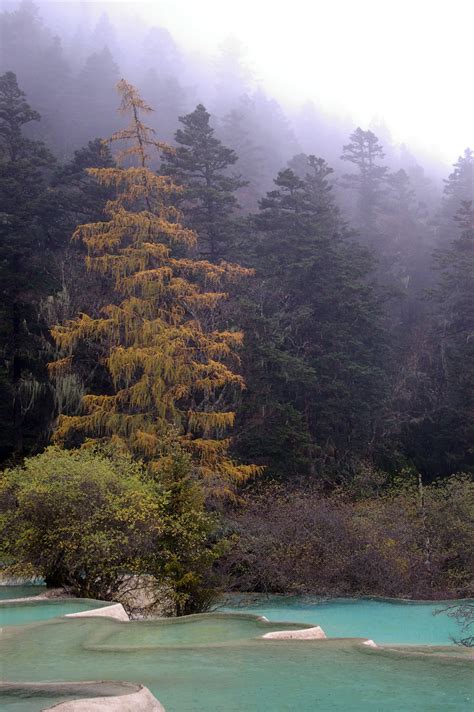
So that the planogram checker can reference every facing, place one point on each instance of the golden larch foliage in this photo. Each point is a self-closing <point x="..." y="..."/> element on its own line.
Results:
<point x="165" y="367"/>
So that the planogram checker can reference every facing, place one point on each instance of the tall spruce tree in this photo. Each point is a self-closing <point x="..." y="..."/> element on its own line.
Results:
<point x="315" y="363"/>
<point x="438" y="419"/>
<point x="439" y="437"/>
<point x="459" y="187"/>
<point x="171" y="98"/>
<point x="95" y="85"/>
<point x="455" y="295"/>
<point x="161" y="367"/>
<point x="80" y="198"/>
<point x="237" y="134"/>
<point x="201" y="165"/>
<point x="161" y="54"/>
<point x="367" y="183"/>
<point x="36" y="56"/>
<point x="405" y="230"/>
<point x="25" y="270"/>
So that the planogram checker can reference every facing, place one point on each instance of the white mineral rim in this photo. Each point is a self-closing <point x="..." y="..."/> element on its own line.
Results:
<point x="141" y="701"/>
<point x="316" y="633"/>
<point x="116" y="610"/>
<point x="370" y="644"/>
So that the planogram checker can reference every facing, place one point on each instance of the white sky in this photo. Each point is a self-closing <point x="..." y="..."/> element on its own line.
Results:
<point x="409" y="61"/>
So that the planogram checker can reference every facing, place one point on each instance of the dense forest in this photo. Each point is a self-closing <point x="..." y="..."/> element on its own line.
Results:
<point x="248" y="335"/>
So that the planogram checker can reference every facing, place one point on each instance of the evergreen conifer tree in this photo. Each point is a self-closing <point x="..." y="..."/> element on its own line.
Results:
<point x="170" y="96"/>
<point x="25" y="269"/>
<point x="201" y="164"/>
<point x="317" y="340"/>
<point x="95" y="89"/>
<point x="459" y="187"/>
<point x="455" y="297"/>
<point x="365" y="153"/>
<point x="36" y="56"/>
<point x="439" y="436"/>
<point x="236" y="133"/>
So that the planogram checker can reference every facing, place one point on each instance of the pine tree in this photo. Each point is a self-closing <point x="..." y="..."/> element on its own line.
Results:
<point x="455" y="297"/>
<point x="364" y="152"/>
<point x="404" y="263"/>
<point x="170" y="96"/>
<point x="36" y="56"/>
<point x="160" y="54"/>
<point x="95" y="85"/>
<point x="104" y="35"/>
<point x="235" y="132"/>
<point x="200" y="164"/>
<point x="316" y="339"/>
<point x="52" y="95"/>
<point x="441" y="432"/>
<point x="78" y="194"/>
<point x="403" y="224"/>
<point x="24" y="38"/>
<point x="270" y="129"/>
<point x="25" y="269"/>
<point x="437" y="417"/>
<point x="459" y="187"/>
<point x="161" y="368"/>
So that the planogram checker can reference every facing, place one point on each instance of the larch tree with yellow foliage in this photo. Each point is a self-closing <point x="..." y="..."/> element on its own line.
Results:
<point x="166" y="366"/>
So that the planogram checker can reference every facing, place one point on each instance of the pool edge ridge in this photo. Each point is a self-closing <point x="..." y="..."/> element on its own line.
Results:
<point x="314" y="633"/>
<point x="114" y="610"/>
<point x="140" y="701"/>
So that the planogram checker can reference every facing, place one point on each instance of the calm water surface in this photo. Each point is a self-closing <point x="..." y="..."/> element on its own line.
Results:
<point x="23" y="612"/>
<point x="220" y="664"/>
<point x="385" y="621"/>
<point x="20" y="591"/>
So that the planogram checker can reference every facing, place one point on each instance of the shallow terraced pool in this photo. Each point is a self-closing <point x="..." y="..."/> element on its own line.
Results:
<point x="21" y="612"/>
<point x="220" y="663"/>
<point x="383" y="620"/>
<point x="7" y="591"/>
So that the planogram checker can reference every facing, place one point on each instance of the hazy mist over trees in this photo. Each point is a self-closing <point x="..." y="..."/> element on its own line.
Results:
<point x="256" y="291"/>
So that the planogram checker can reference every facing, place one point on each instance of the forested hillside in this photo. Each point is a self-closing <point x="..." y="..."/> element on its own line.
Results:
<point x="274" y="313"/>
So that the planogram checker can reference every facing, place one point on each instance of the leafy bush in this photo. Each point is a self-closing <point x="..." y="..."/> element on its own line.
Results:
<point x="88" y="521"/>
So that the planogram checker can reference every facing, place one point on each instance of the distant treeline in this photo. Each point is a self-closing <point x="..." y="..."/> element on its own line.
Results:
<point x="359" y="316"/>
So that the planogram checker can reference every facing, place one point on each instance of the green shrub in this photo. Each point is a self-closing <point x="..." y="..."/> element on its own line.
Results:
<point x="89" y="521"/>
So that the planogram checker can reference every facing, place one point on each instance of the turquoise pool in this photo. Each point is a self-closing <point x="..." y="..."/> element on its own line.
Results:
<point x="22" y="591"/>
<point x="231" y="669"/>
<point x="220" y="663"/>
<point x="22" y="612"/>
<point x="385" y="621"/>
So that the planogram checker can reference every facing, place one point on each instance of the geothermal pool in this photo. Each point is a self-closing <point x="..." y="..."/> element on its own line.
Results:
<point x="219" y="663"/>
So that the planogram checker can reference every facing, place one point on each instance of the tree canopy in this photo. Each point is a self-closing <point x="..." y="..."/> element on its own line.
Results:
<point x="162" y="367"/>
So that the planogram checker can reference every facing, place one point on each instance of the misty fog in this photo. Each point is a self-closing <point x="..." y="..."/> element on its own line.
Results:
<point x="237" y="271"/>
